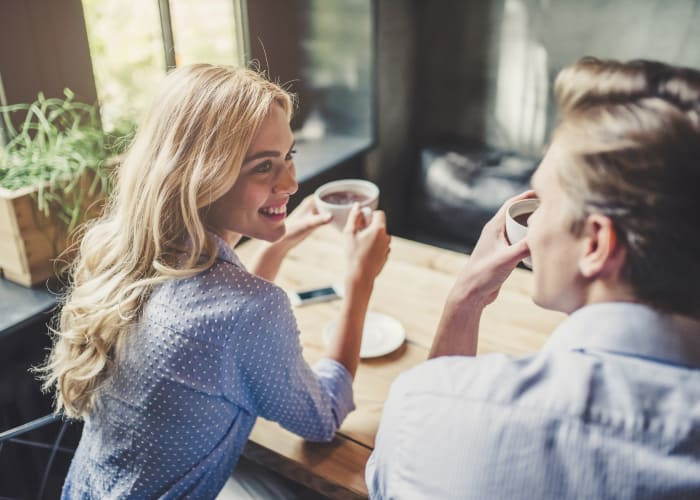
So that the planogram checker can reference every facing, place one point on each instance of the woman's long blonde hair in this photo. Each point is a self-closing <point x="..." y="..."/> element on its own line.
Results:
<point x="187" y="154"/>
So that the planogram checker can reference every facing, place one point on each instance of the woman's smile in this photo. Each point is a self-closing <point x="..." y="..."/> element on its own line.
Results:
<point x="256" y="205"/>
<point x="274" y="213"/>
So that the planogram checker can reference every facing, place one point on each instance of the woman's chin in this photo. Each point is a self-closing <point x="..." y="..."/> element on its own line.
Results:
<point x="273" y="235"/>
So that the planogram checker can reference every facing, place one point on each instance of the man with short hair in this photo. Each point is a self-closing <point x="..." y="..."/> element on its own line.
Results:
<point x="610" y="408"/>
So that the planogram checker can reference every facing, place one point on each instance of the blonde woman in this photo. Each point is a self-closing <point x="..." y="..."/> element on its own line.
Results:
<point x="168" y="348"/>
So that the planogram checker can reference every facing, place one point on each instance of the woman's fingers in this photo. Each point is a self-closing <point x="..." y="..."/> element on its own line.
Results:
<point x="355" y="220"/>
<point x="307" y="205"/>
<point x="378" y="218"/>
<point x="316" y="220"/>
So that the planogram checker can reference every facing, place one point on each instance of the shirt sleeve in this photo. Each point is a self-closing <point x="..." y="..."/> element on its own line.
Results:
<point x="271" y="378"/>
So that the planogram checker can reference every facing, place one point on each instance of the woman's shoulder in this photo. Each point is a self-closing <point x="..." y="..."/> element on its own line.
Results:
<point x="223" y="291"/>
<point x="230" y="279"/>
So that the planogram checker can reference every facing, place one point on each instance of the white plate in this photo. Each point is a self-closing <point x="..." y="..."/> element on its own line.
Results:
<point x="382" y="334"/>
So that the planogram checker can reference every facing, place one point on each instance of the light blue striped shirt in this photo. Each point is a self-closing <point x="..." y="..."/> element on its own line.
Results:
<point x="210" y="354"/>
<point x="610" y="408"/>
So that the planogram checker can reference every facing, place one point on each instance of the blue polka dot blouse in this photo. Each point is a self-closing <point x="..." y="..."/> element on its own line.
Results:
<point x="209" y="355"/>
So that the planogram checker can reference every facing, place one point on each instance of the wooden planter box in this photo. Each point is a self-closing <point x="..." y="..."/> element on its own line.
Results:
<point x="30" y="242"/>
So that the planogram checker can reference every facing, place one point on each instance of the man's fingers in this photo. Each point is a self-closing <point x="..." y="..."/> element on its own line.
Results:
<point x="499" y="218"/>
<point x="522" y="196"/>
<point x="530" y="193"/>
<point x="517" y="251"/>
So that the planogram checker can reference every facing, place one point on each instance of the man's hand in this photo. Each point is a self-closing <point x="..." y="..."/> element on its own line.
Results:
<point x="492" y="260"/>
<point x="477" y="285"/>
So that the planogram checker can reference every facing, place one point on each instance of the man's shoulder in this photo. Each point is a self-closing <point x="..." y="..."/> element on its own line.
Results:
<point x="455" y="424"/>
<point x="466" y="376"/>
<point x="556" y="384"/>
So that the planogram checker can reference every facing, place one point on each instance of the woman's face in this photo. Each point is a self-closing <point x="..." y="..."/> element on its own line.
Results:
<point x="555" y="251"/>
<point x="256" y="205"/>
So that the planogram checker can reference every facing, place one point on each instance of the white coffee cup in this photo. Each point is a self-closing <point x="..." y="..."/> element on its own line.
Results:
<point x="338" y="197"/>
<point x="516" y="222"/>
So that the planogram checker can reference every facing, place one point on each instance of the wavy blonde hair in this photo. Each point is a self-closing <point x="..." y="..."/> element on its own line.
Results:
<point x="186" y="155"/>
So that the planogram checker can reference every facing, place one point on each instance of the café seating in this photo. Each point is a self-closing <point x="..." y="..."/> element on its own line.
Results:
<point x="459" y="185"/>
<point x="48" y="441"/>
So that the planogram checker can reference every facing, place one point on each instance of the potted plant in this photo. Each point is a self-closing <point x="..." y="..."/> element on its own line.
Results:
<point x="54" y="171"/>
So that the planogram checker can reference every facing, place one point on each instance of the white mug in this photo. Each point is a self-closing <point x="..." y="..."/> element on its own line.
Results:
<point x="338" y="197"/>
<point x="516" y="230"/>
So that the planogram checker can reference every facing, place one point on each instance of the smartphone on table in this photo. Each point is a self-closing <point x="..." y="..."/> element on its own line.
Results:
<point x="314" y="295"/>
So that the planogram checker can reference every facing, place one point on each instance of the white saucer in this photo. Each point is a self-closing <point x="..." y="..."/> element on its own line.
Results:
<point x="382" y="334"/>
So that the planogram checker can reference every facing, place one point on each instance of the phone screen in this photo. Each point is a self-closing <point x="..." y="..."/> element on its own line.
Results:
<point x="315" y="293"/>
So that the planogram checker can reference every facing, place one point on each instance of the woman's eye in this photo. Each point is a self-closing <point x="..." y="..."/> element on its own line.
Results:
<point x="290" y="155"/>
<point x="263" y="168"/>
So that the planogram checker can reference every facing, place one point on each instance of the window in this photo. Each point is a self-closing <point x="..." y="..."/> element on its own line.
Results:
<point x="337" y="74"/>
<point x="205" y="32"/>
<point x="126" y="48"/>
<point x="322" y="50"/>
<point x="132" y="42"/>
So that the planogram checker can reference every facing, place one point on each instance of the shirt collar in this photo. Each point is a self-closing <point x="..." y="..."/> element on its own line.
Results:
<point x="225" y="252"/>
<point x="630" y="329"/>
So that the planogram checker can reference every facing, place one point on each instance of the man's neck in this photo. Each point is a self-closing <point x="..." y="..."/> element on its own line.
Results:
<point x="608" y="291"/>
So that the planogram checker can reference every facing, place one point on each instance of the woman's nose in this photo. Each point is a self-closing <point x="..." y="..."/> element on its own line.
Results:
<point x="287" y="181"/>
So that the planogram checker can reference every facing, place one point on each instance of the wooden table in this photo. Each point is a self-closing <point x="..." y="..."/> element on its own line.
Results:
<point x="412" y="288"/>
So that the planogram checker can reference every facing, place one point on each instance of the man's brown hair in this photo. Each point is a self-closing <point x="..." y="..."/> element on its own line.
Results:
<point x="632" y="131"/>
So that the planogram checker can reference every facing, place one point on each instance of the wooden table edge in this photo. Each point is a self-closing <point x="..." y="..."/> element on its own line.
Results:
<point x="310" y="463"/>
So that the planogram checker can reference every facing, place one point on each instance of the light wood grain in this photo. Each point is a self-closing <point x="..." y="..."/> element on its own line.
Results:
<point x="329" y="468"/>
<point x="29" y="239"/>
<point x="412" y="288"/>
<point x="32" y="244"/>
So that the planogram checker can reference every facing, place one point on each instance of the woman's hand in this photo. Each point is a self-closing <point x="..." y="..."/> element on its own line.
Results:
<point x="477" y="285"/>
<point x="366" y="245"/>
<point x="301" y="223"/>
<point x="367" y="249"/>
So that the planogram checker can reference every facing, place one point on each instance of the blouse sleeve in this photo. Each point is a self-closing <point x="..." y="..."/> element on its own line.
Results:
<point x="271" y="378"/>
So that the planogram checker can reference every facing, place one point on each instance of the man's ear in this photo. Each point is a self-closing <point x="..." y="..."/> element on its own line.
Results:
<point x="603" y="255"/>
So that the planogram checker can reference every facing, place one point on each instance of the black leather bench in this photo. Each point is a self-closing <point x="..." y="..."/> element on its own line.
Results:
<point x="458" y="187"/>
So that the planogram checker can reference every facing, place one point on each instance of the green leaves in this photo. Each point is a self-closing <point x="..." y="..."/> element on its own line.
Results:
<point x="58" y="143"/>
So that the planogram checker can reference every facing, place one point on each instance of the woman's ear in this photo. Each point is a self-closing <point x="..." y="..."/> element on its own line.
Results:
<point x="603" y="255"/>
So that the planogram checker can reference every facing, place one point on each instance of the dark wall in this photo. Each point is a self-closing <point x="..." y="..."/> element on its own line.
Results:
<point x="274" y="47"/>
<point x="44" y="48"/>
<point x="454" y="50"/>
<point x="390" y="164"/>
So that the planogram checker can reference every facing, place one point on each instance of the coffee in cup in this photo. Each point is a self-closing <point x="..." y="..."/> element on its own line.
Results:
<point x="338" y="197"/>
<point x="344" y="197"/>
<point x="516" y="222"/>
